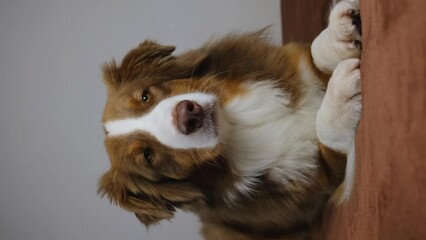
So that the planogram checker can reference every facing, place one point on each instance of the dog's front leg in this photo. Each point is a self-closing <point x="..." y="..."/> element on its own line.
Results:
<point x="340" y="111"/>
<point x="337" y="121"/>
<point x="341" y="39"/>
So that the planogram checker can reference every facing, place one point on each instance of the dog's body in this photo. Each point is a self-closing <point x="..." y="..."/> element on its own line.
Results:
<point x="241" y="132"/>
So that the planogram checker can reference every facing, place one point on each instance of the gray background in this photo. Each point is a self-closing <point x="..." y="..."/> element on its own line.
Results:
<point x="51" y="100"/>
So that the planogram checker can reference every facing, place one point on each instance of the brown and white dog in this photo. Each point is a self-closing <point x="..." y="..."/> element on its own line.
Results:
<point x="243" y="133"/>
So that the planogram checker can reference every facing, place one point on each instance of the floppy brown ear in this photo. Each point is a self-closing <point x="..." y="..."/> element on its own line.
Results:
<point x="118" y="188"/>
<point x="193" y="63"/>
<point x="111" y="74"/>
<point x="134" y="63"/>
<point x="145" y="59"/>
<point x="151" y="59"/>
<point x="150" y="201"/>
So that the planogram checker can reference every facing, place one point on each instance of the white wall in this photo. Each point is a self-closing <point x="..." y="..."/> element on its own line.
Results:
<point x="51" y="100"/>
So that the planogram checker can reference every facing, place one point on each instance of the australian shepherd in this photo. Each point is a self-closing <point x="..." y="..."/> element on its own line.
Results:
<point x="253" y="138"/>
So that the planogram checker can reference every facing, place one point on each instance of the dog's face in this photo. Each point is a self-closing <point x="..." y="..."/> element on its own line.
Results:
<point x="160" y="124"/>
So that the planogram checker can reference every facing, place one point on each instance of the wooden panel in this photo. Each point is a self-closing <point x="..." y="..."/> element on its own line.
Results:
<point x="303" y="20"/>
<point x="389" y="201"/>
<point x="390" y="197"/>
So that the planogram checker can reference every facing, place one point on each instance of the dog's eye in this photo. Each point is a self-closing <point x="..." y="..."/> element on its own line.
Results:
<point x="146" y="96"/>
<point x="147" y="154"/>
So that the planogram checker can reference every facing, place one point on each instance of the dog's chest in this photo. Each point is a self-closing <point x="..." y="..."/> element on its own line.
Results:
<point x="265" y="135"/>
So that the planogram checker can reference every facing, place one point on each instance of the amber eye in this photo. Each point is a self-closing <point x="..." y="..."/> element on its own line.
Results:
<point x="147" y="154"/>
<point x="146" y="96"/>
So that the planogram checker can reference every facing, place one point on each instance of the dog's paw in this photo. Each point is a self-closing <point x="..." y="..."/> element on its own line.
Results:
<point x="345" y="28"/>
<point x="345" y="83"/>
<point x="340" y="110"/>
<point x="341" y="39"/>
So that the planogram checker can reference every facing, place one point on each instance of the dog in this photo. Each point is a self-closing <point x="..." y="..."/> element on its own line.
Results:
<point x="254" y="138"/>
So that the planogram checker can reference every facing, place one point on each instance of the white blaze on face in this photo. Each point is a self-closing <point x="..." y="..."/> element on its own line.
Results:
<point x="159" y="123"/>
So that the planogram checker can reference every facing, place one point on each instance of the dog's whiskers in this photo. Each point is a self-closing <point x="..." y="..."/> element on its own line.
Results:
<point x="211" y="79"/>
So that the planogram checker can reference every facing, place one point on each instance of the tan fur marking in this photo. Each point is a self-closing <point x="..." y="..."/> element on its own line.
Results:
<point x="334" y="164"/>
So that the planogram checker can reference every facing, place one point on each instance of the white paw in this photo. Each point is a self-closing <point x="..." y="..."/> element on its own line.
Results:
<point x="341" y="39"/>
<point x="345" y="28"/>
<point x="340" y="110"/>
<point x="345" y="83"/>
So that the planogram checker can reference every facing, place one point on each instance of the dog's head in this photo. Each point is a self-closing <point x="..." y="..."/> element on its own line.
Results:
<point x="160" y="124"/>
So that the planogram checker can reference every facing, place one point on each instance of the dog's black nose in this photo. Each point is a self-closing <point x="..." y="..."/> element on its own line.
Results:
<point x="189" y="116"/>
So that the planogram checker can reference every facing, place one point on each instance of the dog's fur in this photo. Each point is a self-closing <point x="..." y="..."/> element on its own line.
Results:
<point x="274" y="142"/>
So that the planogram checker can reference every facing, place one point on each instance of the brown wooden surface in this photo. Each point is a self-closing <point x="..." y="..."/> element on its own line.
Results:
<point x="389" y="201"/>
<point x="303" y="20"/>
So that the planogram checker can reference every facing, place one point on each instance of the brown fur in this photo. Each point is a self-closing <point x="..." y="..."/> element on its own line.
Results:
<point x="197" y="180"/>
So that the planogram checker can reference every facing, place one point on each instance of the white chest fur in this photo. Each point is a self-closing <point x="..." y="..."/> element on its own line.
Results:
<point x="267" y="135"/>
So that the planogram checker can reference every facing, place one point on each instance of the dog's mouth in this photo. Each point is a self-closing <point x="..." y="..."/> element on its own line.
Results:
<point x="210" y="119"/>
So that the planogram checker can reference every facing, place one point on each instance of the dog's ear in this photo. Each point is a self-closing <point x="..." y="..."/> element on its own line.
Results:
<point x="124" y="193"/>
<point x="137" y="61"/>
<point x="150" y="201"/>
<point x="151" y="59"/>
<point x="193" y="63"/>
<point x="145" y="59"/>
<point x="111" y="74"/>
